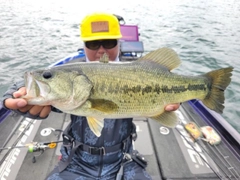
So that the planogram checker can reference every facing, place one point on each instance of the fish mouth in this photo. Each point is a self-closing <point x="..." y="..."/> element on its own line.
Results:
<point x="31" y="85"/>
<point x="35" y="89"/>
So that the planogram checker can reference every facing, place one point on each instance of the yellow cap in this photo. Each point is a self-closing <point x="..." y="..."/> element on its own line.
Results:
<point x="100" y="26"/>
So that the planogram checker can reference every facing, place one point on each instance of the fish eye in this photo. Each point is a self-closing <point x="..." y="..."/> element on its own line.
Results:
<point x="47" y="75"/>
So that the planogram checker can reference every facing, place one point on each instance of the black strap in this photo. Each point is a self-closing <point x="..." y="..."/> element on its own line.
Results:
<point x="63" y="164"/>
<point x="70" y="141"/>
<point x="126" y="159"/>
<point x="92" y="150"/>
<point x="100" y="150"/>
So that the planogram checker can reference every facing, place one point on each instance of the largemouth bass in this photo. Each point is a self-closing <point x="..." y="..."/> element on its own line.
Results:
<point x="141" y="88"/>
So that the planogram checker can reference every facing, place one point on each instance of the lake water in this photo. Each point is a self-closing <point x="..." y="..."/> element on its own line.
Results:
<point x="205" y="34"/>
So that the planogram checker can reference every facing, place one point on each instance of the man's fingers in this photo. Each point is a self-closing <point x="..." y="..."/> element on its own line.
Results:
<point x="42" y="111"/>
<point x="20" y="92"/>
<point x="15" y="103"/>
<point x="25" y="108"/>
<point x="172" y="107"/>
<point x="21" y="105"/>
<point x="35" y="110"/>
<point x="45" y="111"/>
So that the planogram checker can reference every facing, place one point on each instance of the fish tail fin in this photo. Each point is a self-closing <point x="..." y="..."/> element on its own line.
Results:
<point x="219" y="79"/>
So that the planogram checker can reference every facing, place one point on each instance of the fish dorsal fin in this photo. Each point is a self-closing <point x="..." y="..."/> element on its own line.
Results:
<point x="104" y="58"/>
<point x="165" y="56"/>
<point x="168" y="119"/>
<point x="103" y="105"/>
<point x="96" y="125"/>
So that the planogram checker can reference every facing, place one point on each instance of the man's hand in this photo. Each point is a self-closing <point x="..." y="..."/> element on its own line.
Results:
<point x="21" y="105"/>
<point x="172" y="107"/>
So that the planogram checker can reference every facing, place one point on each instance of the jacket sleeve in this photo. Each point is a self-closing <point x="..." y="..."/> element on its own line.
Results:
<point x="9" y="94"/>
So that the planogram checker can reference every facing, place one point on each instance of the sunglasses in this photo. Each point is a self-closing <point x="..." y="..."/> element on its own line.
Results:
<point x="107" y="44"/>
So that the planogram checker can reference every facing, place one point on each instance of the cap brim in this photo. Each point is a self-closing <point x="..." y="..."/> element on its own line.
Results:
<point x="92" y="38"/>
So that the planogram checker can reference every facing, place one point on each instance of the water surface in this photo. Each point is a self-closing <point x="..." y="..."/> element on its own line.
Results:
<point x="205" y="34"/>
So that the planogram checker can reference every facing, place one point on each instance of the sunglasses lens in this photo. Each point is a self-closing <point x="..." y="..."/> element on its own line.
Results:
<point x="107" y="44"/>
<point x="93" y="45"/>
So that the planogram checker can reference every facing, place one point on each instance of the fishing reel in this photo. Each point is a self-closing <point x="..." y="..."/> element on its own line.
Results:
<point x="40" y="147"/>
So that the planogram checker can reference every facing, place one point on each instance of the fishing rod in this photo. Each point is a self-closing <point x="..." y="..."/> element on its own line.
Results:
<point x="35" y="147"/>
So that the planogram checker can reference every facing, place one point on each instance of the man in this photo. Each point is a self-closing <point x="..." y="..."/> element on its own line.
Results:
<point x="84" y="155"/>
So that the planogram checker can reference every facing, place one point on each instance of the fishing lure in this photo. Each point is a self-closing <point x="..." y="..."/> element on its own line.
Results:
<point x="206" y="133"/>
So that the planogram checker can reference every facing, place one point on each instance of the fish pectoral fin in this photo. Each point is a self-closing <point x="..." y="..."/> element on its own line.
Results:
<point x="96" y="125"/>
<point x="103" y="105"/>
<point x="168" y="119"/>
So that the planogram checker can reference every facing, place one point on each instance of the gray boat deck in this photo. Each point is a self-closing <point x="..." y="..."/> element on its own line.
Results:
<point x="168" y="154"/>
